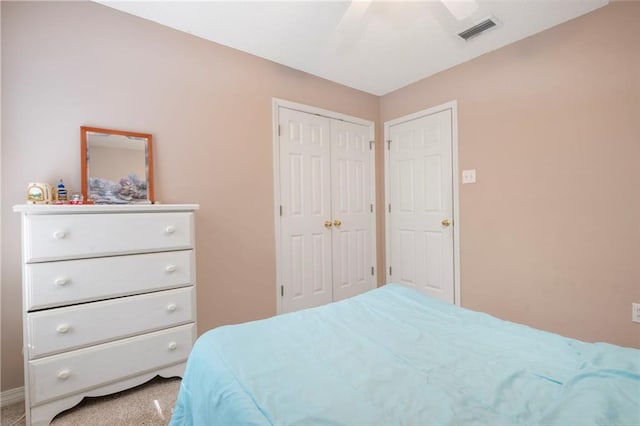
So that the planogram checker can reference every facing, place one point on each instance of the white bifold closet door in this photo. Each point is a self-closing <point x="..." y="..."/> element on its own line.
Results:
<point x="326" y="209"/>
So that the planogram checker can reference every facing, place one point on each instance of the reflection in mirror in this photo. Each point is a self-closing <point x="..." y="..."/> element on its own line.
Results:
<point x="117" y="166"/>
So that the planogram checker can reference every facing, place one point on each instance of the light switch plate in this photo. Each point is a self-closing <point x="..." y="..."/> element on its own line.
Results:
<point x="469" y="176"/>
<point x="635" y="312"/>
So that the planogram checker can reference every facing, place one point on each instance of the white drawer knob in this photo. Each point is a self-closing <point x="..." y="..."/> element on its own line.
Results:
<point x="63" y="328"/>
<point x="171" y="307"/>
<point x="173" y="346"/>
<point x="64" y="374"/>
<point x="58" y="235"/>
<point x="169" y="229"/>
<point x="61" y="281"/>
<point x="170" y="268"/>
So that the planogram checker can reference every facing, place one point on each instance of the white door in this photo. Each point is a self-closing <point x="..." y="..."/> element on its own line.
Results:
<point x="352" y="206"/>
<point x="420" y="211"/>
<point x="326" y="218"/>
<point x="305" y="200"/>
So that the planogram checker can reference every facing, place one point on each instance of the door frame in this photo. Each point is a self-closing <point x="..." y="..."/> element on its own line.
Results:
<point x="276" y="105"/>
<point x="453" y="107"/>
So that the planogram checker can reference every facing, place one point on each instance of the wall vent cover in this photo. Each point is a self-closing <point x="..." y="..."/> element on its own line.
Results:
<point x="477" y="29"/>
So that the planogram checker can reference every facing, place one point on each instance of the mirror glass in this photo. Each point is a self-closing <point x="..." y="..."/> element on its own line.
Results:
<point x="117" y="166"/>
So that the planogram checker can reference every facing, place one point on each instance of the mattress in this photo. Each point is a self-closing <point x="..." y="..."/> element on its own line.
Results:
<point x="393" y="356"/>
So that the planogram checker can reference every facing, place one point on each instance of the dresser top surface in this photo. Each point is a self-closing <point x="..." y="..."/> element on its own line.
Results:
<point x="101" y="208"/>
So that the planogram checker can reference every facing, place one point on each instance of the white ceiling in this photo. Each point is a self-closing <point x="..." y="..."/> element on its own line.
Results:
<point x="373" y="46"/>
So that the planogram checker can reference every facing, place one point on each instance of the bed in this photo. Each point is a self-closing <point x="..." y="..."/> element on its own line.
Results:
<point x="393" y="356"/>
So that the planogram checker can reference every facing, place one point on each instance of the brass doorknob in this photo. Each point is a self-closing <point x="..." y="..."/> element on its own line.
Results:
<point x="445" y="222"/>
<point x="328" y="224"/>
<point x="337" y="222"/>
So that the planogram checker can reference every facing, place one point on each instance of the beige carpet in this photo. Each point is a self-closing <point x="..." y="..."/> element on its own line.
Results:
<point x="149" y="404"/>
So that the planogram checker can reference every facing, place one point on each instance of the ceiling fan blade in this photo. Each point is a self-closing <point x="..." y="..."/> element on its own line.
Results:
<point x="351" y="26"/>
<point x="461" y="9"/>
<point x="352" y="20"/>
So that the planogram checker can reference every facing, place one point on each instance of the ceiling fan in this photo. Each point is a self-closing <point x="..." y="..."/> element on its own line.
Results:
<point x="451" y="14"/>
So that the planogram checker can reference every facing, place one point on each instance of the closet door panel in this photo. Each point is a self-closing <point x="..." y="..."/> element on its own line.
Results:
<point x="305" y="193"/>
<point x="352" y="196"/>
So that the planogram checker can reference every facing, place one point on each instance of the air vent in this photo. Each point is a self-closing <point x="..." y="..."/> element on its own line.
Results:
<point x="477" y="29"/>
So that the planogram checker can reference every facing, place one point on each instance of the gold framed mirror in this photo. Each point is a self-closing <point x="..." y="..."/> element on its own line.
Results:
<point x="116" y="166"/>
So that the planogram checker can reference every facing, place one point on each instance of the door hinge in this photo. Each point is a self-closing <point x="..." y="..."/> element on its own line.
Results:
<point x="389" y="144"/>
<point x="278" y="130"/>
<point x="389" y="207"/>
<point x="281" y="291"/>
<point x="372" y="273"/>
<point x="390" y="270"/>
<point x="371" y="208"/>
<point x="371" y="145"/>
<point x="280" y="210"/>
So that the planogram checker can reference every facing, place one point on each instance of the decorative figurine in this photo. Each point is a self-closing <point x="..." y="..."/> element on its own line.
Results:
<point x="76" y="198"/>
<point x="39" y="193"/>
<point x="61" y="193"/>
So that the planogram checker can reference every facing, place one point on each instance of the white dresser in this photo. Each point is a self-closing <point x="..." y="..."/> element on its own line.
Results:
<point x="109" y="299"/>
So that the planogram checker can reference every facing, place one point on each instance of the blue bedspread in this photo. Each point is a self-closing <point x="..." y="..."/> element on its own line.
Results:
<point x="393" y="356"/>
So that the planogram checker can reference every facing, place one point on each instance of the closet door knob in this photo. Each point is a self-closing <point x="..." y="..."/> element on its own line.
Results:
<point x="171" y="307"/>
<point x="328" y="224"/>
<point x="170" y="268"/>
<point x="64" y="374"/>
<point x="58" y="235"/>
<point x="172" y="346"/>
<point x="63" y="328"/>
<point x="61" y="281"/>
<point x="169" y="229"/>
<point x="446" y="222"/>
<point x="337" y="222"/>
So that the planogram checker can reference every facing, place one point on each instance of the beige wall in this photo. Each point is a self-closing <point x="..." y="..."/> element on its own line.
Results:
<point x="550" y="234"/>
<point x="209" y="110"/>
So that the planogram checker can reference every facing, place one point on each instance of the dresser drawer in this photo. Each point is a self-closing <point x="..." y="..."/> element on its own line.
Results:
<point x="57" y="330"/>
<point x="68" y="236"/>
<point x="78" y="371"/>
<point x="67" y="282"/>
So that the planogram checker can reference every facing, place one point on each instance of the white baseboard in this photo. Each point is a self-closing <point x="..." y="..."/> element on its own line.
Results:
<point x="11" y="396"/>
